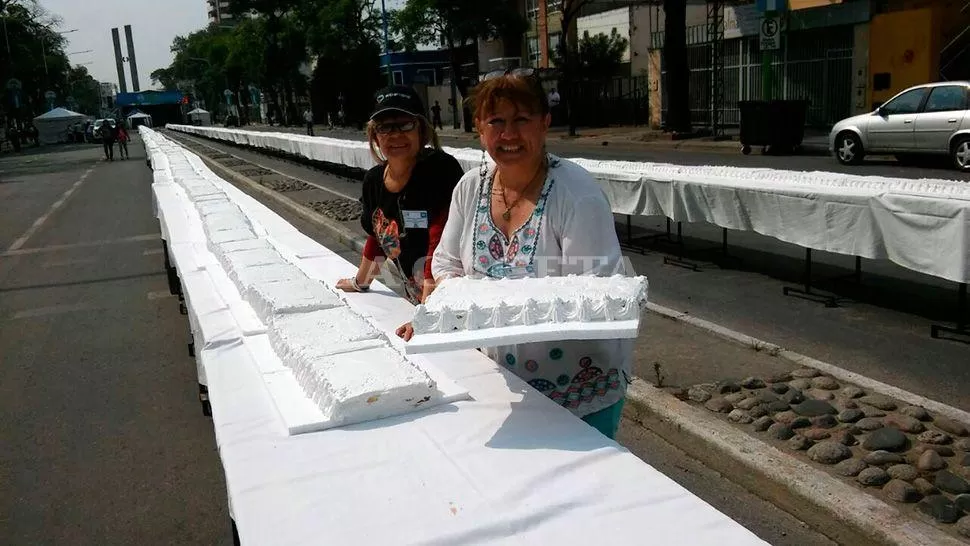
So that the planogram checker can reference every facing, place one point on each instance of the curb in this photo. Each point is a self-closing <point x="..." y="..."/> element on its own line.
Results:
<point x="809" y="362"/>
<point x="828" y="504"/>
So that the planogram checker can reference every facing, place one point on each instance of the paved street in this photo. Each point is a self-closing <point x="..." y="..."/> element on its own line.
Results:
<point x="104" y="441"/>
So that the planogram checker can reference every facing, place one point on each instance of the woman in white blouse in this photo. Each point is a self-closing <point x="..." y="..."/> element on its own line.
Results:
<point x="534" y="214"/>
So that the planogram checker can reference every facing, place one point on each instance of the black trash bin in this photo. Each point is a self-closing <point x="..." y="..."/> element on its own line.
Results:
<point x="777" y="125"/>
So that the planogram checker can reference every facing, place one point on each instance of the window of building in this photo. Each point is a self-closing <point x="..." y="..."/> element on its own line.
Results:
<point x="555" y="39"/>
<point x="534" y="52"/>
<point x="398" y="77"/>
<point x="429" y="75"/>
<point x="531" y="8"/>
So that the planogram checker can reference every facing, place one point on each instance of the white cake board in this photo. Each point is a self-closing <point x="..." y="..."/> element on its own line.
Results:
<point x="514" y="335"/>
<point x="300" y="415"/>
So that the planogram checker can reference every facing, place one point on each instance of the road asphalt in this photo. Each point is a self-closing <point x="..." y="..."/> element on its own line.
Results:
<point x="103" y="438"/>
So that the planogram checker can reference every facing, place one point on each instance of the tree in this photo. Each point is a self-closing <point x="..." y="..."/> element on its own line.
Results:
<point x="32" y="53"/>
<point x="285" y="48"/>
<point x="596" y="57"/>
<point x="344" y="36"/>
<point x="455" y="24"/>
<point x="675" y="60"/>
<point x="570" y="10"/>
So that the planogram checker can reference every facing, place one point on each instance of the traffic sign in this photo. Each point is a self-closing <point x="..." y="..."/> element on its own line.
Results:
<point x="14" y="84"/>
<point x="770" y="33"/>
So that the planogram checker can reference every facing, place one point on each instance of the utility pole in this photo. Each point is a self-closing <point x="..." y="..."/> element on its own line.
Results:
<point x="387" y="52"/>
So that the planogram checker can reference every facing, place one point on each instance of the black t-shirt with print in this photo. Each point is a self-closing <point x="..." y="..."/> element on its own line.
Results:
<point x="424" y="200"/>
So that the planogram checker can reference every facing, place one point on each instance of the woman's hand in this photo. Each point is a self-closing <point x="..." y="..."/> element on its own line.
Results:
<point x="351" y="285"/>
<point x="405" y="331"/>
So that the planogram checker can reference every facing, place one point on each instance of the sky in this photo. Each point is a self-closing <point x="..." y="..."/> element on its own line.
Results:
<point x="154" y="24"/>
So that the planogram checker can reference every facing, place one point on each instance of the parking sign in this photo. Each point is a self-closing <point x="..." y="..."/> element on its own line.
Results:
<point x="770" y="33"/>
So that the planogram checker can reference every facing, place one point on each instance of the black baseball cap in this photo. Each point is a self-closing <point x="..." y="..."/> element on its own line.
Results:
<point x="397" y="99"/>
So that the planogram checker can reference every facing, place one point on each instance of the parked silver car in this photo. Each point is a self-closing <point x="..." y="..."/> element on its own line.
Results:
<point x="926" y="119"/>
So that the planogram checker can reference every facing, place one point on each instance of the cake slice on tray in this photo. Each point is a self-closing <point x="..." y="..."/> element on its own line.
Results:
<point x="466" y="313"/>
<point x="365" y="385"/>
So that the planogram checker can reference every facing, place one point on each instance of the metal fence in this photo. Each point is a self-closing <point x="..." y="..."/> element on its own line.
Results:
<point x="812" y="64"/>
<point x="620" y="100"/>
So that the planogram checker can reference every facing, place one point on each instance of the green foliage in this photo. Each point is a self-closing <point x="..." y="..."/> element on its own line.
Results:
<point x="453" y="23"/>
<point x="32" y="51"/>
<point x="596" y="57"/>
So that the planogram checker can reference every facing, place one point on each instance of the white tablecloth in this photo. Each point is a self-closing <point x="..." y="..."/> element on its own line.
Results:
<point x="923" y="225"/>
<point x="508" y="467"/>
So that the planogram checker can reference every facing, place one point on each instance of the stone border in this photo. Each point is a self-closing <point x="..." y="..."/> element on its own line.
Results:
<point x="846" y="514"/>
<point x="809" y="362"/>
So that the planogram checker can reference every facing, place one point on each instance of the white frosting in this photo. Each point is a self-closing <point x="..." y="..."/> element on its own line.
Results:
<point x="234" y="262"/>
<point x="289" y="296"/>
<point x="240" y="234"/>
<point x="302" y="338"/>
<point x="245" y="277"/>
<point x="365" y="385"/>
<point x="465" y="303"/>
<point x="234" y="246"/>
<point x="225" y="221"/>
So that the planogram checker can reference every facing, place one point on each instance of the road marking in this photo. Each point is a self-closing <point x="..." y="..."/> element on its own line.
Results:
<point x="152" y="252"/>
<point x="87" y="244"/>
<point x="66" y="263"/>
<point x="159" y="295"/>
<point x="52" y="310"/>
<point x="58" y="204"/>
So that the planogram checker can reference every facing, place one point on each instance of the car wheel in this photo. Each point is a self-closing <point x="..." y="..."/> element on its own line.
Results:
<point x="960" y="153"/>
<point x="848" y="149"/>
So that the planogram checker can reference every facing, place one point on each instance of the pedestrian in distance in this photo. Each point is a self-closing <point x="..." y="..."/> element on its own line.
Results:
<point x="108" y="139"/>
<point x="308" y="118"/>
<point x="123" y="139"/>
<point x="436" y="116"/>
<point x="405" y="197"/>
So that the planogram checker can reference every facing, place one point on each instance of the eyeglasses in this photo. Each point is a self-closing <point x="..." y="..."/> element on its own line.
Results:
<point x="526" y="72"/>
<point x="388" y="127"/>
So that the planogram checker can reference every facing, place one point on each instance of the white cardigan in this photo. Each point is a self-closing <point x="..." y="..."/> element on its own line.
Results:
<point x="571" y="231"/>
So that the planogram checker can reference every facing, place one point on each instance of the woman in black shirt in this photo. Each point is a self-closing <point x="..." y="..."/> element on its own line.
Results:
<point x="406" y="196"/>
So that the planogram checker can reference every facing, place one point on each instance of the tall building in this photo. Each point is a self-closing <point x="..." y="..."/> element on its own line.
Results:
<point x="219" y="12"/>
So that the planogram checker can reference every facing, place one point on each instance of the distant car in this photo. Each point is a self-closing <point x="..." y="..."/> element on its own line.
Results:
<point x="926" y="119"/>
<point x="96" y="128"/>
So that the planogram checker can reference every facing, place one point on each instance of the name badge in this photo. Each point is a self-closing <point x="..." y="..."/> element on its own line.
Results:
<point x="415" y="219"/>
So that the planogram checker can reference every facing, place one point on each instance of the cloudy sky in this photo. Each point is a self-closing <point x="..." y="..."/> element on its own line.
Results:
<point x="154" y="23"/>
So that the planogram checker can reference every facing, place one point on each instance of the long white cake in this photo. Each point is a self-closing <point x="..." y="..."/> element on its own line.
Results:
<point x="467" y="312"/>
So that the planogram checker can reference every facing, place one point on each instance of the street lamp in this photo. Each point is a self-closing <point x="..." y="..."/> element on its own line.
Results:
<point x="80" y="52"/>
